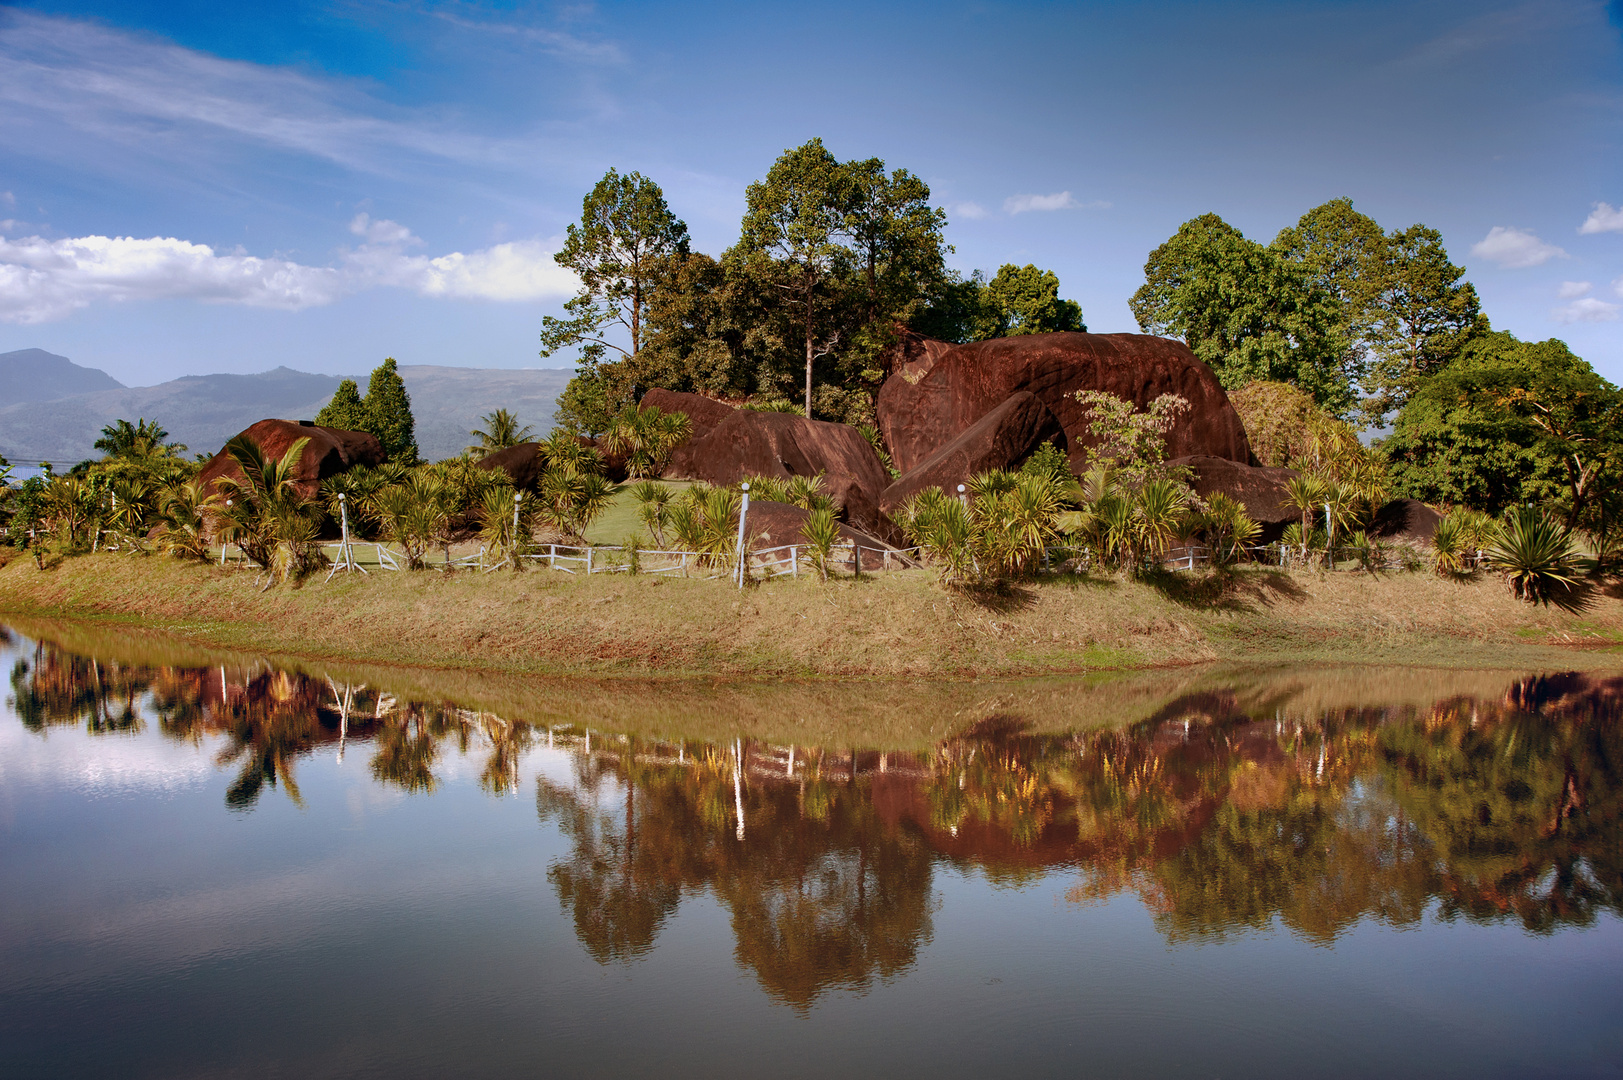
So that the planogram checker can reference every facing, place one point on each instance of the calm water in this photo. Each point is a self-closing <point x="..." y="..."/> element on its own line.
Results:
<point x="240" y="871"/>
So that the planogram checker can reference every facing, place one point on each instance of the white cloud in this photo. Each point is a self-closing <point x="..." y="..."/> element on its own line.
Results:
<point x="1571" y="289"/>
<point x="1588" y="309"/>
<point x="972" y="211"/>
<point x="1515" y="249"/>
<point x="152" y="97"/>
<point x="8" y="198"/>
<point x="1020" y="204"/>
<point x="1603" y="218"/>
<point x="41" y="279"/>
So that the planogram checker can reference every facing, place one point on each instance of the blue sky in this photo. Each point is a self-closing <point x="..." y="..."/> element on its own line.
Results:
<point x="191" y="187"/>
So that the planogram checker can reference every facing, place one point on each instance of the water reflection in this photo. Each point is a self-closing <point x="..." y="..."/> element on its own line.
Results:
<point x="1224" y="811"/>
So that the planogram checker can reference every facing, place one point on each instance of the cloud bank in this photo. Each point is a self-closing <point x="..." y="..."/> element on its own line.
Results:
<point x="1603" y="218"/>
<point x="1515" y="249"/>
<point x="42" y="280"/>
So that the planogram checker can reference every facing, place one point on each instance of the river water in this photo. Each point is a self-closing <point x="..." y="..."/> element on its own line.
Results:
<point x="235" y="869"/>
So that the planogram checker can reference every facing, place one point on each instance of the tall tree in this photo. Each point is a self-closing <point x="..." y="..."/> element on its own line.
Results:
<point x="346" y="411"/>
<point x="625" y="240"/>
<point x="900" y="251"/>
<point x="1245" y="311"/>
<point x="501" y="431"/>
<point x="1025" y="300"/>
<point x="388" y="409"/>
<point x="794" y="235"/>
<point x="1426" y="316"/>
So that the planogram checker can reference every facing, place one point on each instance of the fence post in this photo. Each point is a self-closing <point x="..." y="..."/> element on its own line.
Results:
<point x="743" y="512"/>
<point x="794" y="561"/>
<point x="588" y="559"/>
<point x="856" y="559"/>
<point x="552" y="556"/>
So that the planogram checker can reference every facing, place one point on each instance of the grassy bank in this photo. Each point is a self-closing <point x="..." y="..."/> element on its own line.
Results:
<point x="885" y="626"/>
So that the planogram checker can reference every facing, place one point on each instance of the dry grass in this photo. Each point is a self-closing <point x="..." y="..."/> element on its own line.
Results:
<point x="882" y="627"/>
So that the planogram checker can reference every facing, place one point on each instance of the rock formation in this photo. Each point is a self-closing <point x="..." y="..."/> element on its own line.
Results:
<point x="921" y="413"/>
<point x="705" y="412"/>
<point x="523" y="464"/>
<point x="748" y="443"/>
<point x="1259" y="489"/>
<point x="329" y="452"/>
<point x="1002" y="438"/>
<point x="1406" y="519"/>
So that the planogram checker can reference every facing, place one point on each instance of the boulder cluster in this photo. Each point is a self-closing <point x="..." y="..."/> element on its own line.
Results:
<point x="946" y="413"/>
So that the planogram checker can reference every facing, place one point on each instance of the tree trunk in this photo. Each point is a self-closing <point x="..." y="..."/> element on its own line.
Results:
<point x="808" y="353"/>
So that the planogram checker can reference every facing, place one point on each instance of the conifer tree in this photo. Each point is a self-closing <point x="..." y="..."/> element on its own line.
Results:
<point x="388" y="409"/>
<point x="346" y="411"/>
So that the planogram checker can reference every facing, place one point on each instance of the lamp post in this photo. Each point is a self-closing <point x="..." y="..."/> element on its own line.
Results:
<point x="743" y="511"/>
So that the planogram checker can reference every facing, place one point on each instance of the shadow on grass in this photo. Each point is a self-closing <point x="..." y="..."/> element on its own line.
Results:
<point x="1243" y="590"/>
<point x="1004" y="598"/>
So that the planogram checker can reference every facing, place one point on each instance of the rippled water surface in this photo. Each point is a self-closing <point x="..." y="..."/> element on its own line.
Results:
<point x="236" y="870"/>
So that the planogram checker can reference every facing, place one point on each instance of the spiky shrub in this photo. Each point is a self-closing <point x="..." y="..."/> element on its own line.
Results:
<point x="1228" y="529"/>
<point x="1001" y="533"/>
<point x="1161" y="515"/>
<point x="264" y="513"/>
<point x="1448" y="548"/>
<point x="1536" y="554"/>
<point x="653" y="508"/>
<point x="807" y="493"/>
<point x="412" y="516"/>
<point x="1369" y="550"/>
<point x="821" y="531"/>
<point x="646" y="437"/>
<point x="1313" y="542"/>
<point x="505" y="526"/>
<point x="183" y="529"/>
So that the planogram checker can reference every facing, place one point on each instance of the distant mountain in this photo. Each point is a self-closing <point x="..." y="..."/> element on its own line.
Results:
<point x="203" y="411"/>
<point x="36" y="375"/>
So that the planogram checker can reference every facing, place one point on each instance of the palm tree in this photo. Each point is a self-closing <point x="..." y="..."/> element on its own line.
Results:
<point x="501" y="431"/>
<point x="1305" y="493"/>
<point x="264" y="513"/>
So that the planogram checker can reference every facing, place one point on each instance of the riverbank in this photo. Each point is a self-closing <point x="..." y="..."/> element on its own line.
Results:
<point x="898" y="625"/>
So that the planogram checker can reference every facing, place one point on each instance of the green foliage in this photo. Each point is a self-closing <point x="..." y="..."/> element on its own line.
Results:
<point x="646" y="437"/>
<point x="346" y="411"/>
<point x="1130" y="443"/>
<point x="1511" y="422"/>
<point x="1049" y="461"/>
<point x="653" y="508"/>
<point x="1228" y="529"/>
<point x="415" y="512"/>
<point x="184" y="522"/>
<point x="591" y="400"/>
<point x="501" y="431"/>
<point x="1024" y="300"/>
<point x="506" y="526"/>
<point x="264" y="513"/>
<point x="999" y="533"/>
<point x="388" y="410"/>
<point x="1245" y="311"/>
<point x="1536" y="554"/>
<point x="384" y="412"/>
<point x="821" y="531"/>
<point x="623" y="246"/>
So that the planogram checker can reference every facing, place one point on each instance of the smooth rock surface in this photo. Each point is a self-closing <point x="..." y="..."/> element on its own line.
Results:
<point x="1000" y="439"/>
<point x="920" y="414"/>
<point x="1260" y="489"/>
<point x="329" y="452"/>
<point x="748" y="443"/>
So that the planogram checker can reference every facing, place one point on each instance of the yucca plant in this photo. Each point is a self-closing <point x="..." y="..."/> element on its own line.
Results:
<point x="413" y="516"/>
<point x="807" y="493"/>
<point x="505" y="525"/>
<point x="265" y="514"/>
<point x="1536" y="554"/>
<point x="1160" y="516"/>
<point x="646" y="437"/>
<point x="1228" y="529"/>
<point x="653" y="508"/>
<point x="1306" y="494"/>
<point x="821" y="531"/>
<point x="1368" y="550"/>
<point x="1449" y="553"/>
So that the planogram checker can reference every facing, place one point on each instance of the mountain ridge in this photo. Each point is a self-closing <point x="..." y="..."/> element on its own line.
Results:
<point x="203" y="411"/>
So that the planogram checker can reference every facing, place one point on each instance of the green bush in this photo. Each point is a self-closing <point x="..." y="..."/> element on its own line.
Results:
<point x="1536" y="554"/>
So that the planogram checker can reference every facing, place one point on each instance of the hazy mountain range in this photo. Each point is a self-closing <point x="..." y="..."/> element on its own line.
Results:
<point x="51" y="409"/>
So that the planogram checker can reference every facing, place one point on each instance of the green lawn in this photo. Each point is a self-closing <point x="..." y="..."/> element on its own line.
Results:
<point x="620" y="519"/>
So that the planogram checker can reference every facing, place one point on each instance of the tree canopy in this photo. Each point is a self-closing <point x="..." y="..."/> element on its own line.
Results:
<point x="385" y="411"/>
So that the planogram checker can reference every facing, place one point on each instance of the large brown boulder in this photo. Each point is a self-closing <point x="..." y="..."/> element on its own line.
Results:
<point x="329" y="452"/>
<point x="1406" y="519"/>
<point x="523" y="464"/>
<point x="1261" y="490"/>
<point x="920" y="414"/>
<point x="748" y="443"/>
<point x="774" y="524"/>
<point x="705" y="412"/>
<point x="998" y="440"/>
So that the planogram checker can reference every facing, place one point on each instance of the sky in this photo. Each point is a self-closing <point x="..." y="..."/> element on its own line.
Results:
<point x="190" y="187"/>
